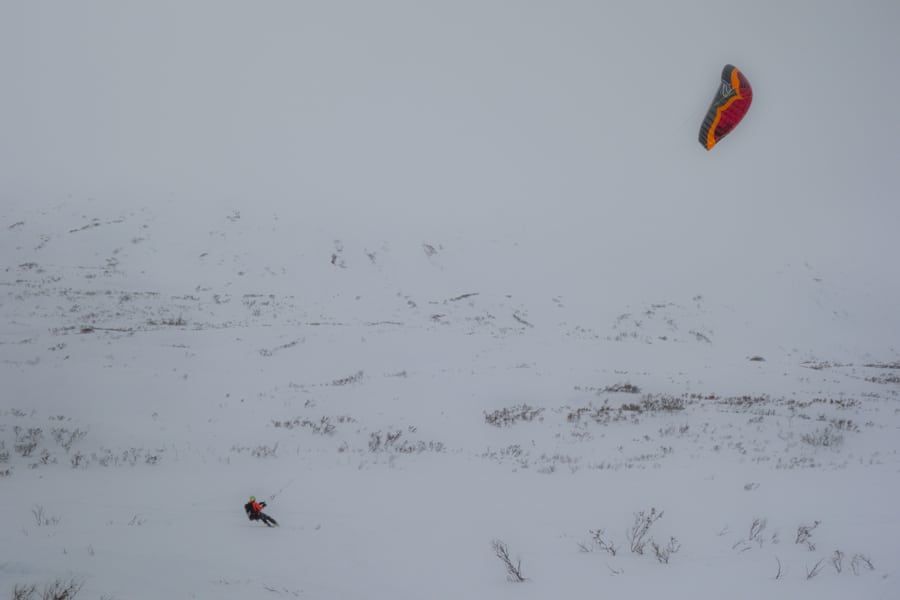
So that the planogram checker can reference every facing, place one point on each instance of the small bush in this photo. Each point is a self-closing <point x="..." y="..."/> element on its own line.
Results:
<point x="390" y="442"/>
<point x="626" y="388"/>
<point x="602" y="542"/>
<point x="860" y="562"/>
<point x="823" y="438"/>
<point x="67" y="437"/>
<point x="264" y="451"/>
<point x="664" y="553"/>
<point x="884" y="379"/>
<point x="350" y="379"/>
<point x="804" y="535"/>
<point x="512" y="415"/>
<point x="42" y="518"/>
<point x="27" y="440"/>
<point x="261" y="451"/>
<point x="78" y="460"/>
<point x="757" y="527"/>
<point x="837" y="561"/>
<point x="324" y="426"/>
<point x="58" y="590"/>
<point x="513" y="570"/>
<point x="663" y="403"/>
<point x="815" y="570"/>
<point x="638" y="534"/>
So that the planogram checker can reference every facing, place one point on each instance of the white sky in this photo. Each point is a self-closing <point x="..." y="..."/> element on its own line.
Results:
<point x="421" y="112"/>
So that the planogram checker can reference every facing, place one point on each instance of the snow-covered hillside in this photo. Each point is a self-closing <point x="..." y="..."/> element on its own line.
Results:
<point x="402" y="413"/>
<point x="437" y="281"/>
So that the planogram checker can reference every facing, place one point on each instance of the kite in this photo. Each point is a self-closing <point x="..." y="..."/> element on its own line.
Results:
<point x="730" y="104"/>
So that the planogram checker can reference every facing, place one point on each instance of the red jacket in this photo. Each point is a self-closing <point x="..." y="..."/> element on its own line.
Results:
<point x="257" y="506"/>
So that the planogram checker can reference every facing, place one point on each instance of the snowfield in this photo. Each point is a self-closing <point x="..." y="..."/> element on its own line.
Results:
<point x="397" y="434"/>
<point x="455" y="290"/>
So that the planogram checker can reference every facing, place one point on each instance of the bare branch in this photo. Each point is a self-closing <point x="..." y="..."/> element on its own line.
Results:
<point x="513" y="570"/>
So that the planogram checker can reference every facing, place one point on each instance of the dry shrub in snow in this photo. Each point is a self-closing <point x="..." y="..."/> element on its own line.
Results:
<point x="58" y="590"/>
<point x="390" y="442"/>
<point x="837" y="561"/>
<point x="656" y="403"/>
<point x="350" y="379"/>
<point x="325" y="425"/>
<point x="601" y="542"/>
<point x="804" y="535"/>
<point x="663" y="553"/>
<point x="261" y="451"/>
<point x="513" y="570"/>
<point x="638" y="536"/>
<point x="815" y="570"/>
<point x="511" y="415"/>
<point x="823" y="438"/>
<point x="639" y="533"/>
<point x="27" y="440"/>
<point x="757" y="528"/>
<point x="626" y="388"/>
<point x="42" y="518"/>
<point x="860" y="562"/>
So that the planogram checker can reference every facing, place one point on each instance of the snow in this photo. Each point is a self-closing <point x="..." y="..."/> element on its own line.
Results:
<point x="426" y="277"/>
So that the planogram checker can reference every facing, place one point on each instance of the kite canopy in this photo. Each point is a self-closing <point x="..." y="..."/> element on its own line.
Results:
<point x="730" y="104"/>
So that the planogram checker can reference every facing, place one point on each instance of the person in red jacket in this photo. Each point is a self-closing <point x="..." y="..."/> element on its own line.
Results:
<point x="255" y="513"/>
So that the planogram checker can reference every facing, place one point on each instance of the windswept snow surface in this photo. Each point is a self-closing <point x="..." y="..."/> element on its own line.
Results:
<point x="425" y="278"/>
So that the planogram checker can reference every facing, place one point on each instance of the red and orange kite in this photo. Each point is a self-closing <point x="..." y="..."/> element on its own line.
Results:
<point x="728" y="107"/>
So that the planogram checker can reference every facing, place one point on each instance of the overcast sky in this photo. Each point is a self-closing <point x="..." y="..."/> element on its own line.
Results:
<point x="568" y="127"/>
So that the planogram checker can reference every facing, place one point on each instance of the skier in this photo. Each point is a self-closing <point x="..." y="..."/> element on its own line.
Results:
<point x="255" y="513"/>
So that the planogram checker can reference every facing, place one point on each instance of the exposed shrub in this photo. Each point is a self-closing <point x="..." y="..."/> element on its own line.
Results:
<point x="27" y="440"/>
<point x="663" y="553"/>
<point x="390" y="442"/>
<point x="804" y="535"/>
<point x="512" y="415"/>
<point x="261" y="451"/>
<point x="602" y="542"/>
<point x="66" y="437"/>
<point x="815" y="570"/>
<point x="58" y="590"/>
<point x="837" y="561"/>
<point x="824" y="438"/>
<point x="639" y="533"/>
<point x="513" y="570"/>
<point x="355" y="378"/>
<point x="78" y="460"/>
<point x="42" y="518"/>
<point x="325" y="425"/>
<point x="626" y="388"/>
<point x="861" y="562"/>
<point x="650" y="403"/>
